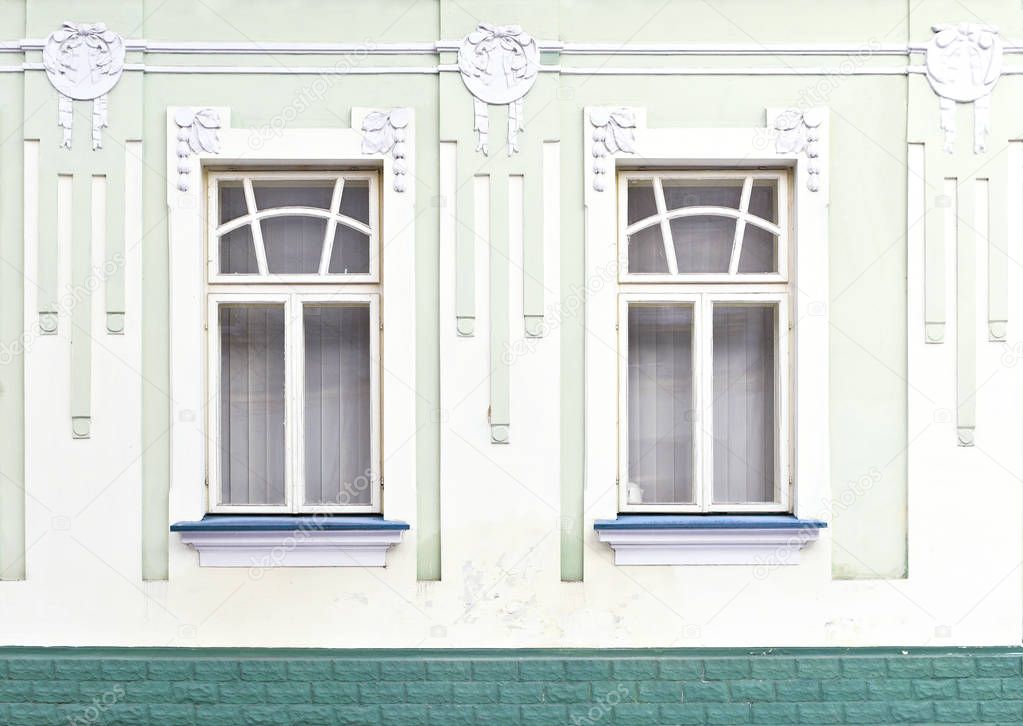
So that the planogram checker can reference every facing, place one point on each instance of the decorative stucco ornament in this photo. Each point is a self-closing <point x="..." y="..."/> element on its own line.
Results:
<point x="197" y="134"/>
<point x="963" y="63"/>
<point x="384" y="132"/>
<point x="498" y="64"/>
<point x="614" y="130"/>
<point x="83" y="62"/>
<point x="798" y="132"/>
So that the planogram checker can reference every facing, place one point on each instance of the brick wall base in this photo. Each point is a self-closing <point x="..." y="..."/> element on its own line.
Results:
<point x="186" y="687"/>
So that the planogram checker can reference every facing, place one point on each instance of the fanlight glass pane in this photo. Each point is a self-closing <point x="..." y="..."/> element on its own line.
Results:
<point x="641" y="200"/>
<point x="680" y="193"/>
<point x="337" y="404"/>
<point x="759" y="250"/>
<point x="703" y="243"/>
<point x="252" y="410"/>
<point x="293" y="244"/>
<point x="237" y="254"/>
<point x="273" y="193"/>
<point x="660" y="404"/>
<point x="231" y="201"/>
<point x="763" y="199"/>
<point x="350" y="253"/>
<point x="646" y="250"/>
<point x="744" y="391"/>
<point x="355" y="200"/>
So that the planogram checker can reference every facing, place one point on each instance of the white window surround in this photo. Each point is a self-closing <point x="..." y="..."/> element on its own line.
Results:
<point x="188" y="259"/>
<point x="728" y="148"/>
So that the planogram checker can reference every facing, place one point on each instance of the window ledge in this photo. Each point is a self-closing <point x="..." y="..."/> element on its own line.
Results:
<point x="291" y="541"/>
<point x="764" y="540"/>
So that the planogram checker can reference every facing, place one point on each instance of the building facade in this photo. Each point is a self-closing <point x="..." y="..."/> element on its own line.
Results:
<point x="459" y="339"/>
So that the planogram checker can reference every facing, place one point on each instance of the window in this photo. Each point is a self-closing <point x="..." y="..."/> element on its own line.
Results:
<point x="703" y="327"/>
<point x="293" y="319"/>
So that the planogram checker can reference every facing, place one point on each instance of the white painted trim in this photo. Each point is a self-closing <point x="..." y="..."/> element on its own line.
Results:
<point x="188" y="230"/>
<point x="808" y="345"/>
<point x="760" y="547"/>
<point x="299" y="548"/>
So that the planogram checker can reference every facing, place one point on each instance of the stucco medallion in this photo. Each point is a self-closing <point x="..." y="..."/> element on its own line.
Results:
<point x="498" y="64"/>
<point x="83" y="62"/>
<point x="963" y="64"/>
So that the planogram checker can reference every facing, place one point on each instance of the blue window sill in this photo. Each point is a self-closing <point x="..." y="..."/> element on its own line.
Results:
<point x="258" y="542"/>
<point x="275" y="523"/>
<point x="707" y="521"/>
<point x="685" y="539"/>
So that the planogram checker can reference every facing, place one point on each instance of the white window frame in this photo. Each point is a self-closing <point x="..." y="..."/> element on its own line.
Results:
<point x="333" y="219"/>
<point x="287" y="150"/>
<point x="741" y="215"/>
<point x="714" y="151"/>
<point x="294" y="407"/>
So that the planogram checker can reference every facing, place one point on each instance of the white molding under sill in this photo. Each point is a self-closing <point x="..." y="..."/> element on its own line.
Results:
<point x="301" y="548"/>
<point x="763" y="547"/>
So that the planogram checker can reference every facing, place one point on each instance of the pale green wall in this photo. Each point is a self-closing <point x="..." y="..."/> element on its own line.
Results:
<point x="868" y="207"/>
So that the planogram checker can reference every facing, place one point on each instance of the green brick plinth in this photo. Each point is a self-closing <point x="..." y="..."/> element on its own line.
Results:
<point x="187" y="687"/>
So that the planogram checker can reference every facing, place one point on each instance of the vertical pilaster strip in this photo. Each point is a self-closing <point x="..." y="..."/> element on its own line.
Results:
<point x="428" y="494"/>
<point x="997" y="247"/>
<point x="465" y="261"/>
<point x="500" y="217"/>
<point x="15" y="330"/>
<point x="969" y="201"/>
<point x="533" y="242"/>
<point x="117" y="211"/>
<point x="89" y="205"/>
<point x="934" y="266"/>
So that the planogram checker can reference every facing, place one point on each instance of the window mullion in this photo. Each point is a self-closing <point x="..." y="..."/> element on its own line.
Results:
<point x="740" y="225"/>
<point x="293" y="387"/>
<point x="705" y="368"/>
<point x="662" y="210"/>
<point x="257" y="233"/>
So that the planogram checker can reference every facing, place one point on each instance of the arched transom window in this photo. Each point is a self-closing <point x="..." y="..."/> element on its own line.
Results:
<point x="689" y="225"/>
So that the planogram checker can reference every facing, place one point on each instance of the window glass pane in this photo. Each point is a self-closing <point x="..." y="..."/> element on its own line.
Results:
<point x="232" y="201"/>
<point x="660" y="404"/>
<point x="237" y="254"/>
<point x="641" y="200"/>
<point x="293" y="244"/>
<point x="251" y="404"/>
<point x="744" y="385"/>
<point x="271" y="193"/>
<point x="337" y="404"/>
<point x="763" y="199"/>
<point x="646" y="250"/>
<point x="703" y="243"/>
<point x="759" y="250"/>
<point x="679" y="193"/>
<point x="350" y="253"/>
<point x="355" y="199"/>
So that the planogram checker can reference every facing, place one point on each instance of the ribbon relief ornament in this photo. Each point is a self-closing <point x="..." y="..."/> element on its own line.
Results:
<point x="498" y="65"/>
<point x="963" y="63"/>
<point x="83" y="62"/>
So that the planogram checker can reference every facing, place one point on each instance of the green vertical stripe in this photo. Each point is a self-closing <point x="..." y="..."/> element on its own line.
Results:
<point x="499" y="371"/>
<point x="80" y="299"/>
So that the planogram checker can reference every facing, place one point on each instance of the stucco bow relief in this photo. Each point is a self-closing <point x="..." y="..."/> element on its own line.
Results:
<point x="83" y="62"/>
<point x="963" y="64"/>
<point x="498" y="64"/>
<point x="197" y="134"/>
<point x="385" y="132"/>
<point x="798" y="132"/>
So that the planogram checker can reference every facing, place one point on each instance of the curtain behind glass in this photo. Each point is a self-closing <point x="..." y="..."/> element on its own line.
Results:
<point x="252" y="404"/>
<point x="660" y="404"/>
<point x="744" y="438"/>
<point x="337" y="404"/>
